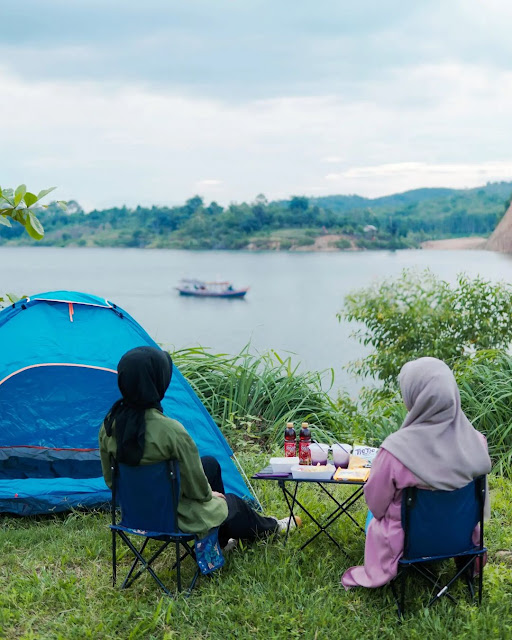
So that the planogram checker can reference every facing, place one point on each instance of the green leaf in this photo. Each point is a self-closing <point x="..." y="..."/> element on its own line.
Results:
<point x="30" y="199"/>
<point x="8" y="195"/>
<point x="34" y="227"/>
<point x="0" y="192"/>
<point x="45" y="192"/>
<point x="13" y="297"/>
<point x="5" y="221"/>
<point x="19" y="216"/>
<point x="63" y="205"/>
<point x="19" y="193"/>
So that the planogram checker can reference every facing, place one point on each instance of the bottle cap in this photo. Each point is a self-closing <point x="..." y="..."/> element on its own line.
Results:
<point x="289" y="425"/>
<point x="305" y="425"/>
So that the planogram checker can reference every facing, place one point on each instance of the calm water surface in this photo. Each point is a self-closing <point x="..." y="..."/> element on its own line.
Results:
<point x="291" y="306"/>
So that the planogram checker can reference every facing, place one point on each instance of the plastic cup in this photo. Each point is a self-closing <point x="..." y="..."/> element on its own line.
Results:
<point x="341" y="455"/>
<point x="319" y="453"/>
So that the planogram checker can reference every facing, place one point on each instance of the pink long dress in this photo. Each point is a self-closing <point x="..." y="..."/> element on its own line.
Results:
<point x="384" y="544"/>
<point x="385" y="537"/>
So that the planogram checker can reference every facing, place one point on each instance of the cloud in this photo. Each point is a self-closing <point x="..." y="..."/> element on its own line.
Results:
<point x="332" y="159"/>
<point x="255" y="49"/>
<point x="209" y="183"/>
<point x="129" y="102"/>
<point x="413" y="175"/>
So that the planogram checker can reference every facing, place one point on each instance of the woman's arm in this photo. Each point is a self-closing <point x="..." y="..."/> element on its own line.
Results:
<point x="194" y="484"/>
<point x="380" y="489"/>
<point x="105" y="458"/>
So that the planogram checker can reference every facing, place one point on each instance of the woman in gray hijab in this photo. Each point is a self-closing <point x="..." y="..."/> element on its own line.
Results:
<point x="436" y="447"/>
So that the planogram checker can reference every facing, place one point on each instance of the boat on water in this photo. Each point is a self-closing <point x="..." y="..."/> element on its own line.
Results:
<point x="202" y="289"/>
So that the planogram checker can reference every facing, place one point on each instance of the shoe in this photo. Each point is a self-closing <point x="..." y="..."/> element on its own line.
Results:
<point x="230" y="545"/>
<point x="294" y="521"/>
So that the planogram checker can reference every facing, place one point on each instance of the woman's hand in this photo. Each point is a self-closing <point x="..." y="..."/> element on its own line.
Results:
<point x="218" y="495"/>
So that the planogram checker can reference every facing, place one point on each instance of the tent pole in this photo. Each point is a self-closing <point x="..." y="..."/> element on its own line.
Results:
<point x="248" y="482"/>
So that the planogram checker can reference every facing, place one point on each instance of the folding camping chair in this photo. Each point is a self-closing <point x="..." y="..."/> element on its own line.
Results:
<point x="438" y="525"/>
<point x="148" y="496"/>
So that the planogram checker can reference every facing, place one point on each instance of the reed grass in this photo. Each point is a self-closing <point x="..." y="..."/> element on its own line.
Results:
<point x="252" y="396"/>
<point x="258" y="394"/>
<point x="485" y="383"/>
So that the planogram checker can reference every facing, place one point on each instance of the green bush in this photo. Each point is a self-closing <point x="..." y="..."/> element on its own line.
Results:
<point x="418" y="314"/>
<point x="343" y="243"/>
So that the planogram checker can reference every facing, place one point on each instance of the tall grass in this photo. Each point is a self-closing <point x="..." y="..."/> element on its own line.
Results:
<point x="485" y="384"/>
<point x="251" y="397"/>
<point x="256" y="395"/>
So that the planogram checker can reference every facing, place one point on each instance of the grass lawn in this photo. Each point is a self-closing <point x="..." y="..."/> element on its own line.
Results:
<point x="55" y="582"/>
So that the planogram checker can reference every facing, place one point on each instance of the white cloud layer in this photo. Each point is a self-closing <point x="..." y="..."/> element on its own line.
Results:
<point x="360" y="101"/>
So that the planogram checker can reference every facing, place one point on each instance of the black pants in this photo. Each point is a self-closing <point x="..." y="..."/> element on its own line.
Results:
<point x="243" y="522"/>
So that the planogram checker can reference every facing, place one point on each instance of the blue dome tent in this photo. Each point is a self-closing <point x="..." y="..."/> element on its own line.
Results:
<point x="58" y="357"/>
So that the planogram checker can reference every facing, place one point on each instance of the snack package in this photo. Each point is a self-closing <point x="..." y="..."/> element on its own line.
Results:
<point x="356" y="462"/>
<point x="360" y="474"/>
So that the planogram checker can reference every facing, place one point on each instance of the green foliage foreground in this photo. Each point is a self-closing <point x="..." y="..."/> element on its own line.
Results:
<point x="22" y="206"/>
<point x="418" y="314"/>
<point x="55" y="584"/>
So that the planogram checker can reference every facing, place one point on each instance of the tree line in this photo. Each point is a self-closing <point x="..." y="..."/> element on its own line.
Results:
<point x="397" y="221"/>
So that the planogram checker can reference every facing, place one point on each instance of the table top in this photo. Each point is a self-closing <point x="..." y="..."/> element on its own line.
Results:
<point x="267" y="474"/>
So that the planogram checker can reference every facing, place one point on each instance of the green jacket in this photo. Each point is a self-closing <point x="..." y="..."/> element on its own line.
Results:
<point x="167" y="439"/>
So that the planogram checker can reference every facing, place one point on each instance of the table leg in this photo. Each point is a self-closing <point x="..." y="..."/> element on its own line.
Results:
<point x="341" y="508"/>
<point x="344" y="506"/>
<point x="286" y="493"/>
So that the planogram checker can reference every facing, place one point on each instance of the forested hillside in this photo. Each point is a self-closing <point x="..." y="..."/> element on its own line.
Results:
<point x="396" y="221"/>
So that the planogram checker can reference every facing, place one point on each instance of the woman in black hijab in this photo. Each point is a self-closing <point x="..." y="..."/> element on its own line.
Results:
<point x="143" y="376"/>
<point x="135" y="431"/>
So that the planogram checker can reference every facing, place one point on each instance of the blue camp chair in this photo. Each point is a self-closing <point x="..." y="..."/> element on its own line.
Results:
<point x="148" y="496"/>
<point x="438" y="525"/>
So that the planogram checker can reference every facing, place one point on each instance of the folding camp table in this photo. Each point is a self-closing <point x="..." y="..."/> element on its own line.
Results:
<point x="341" y="508"/>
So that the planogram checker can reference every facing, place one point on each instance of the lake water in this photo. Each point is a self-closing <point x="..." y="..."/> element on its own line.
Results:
<point x="291" y="306"/>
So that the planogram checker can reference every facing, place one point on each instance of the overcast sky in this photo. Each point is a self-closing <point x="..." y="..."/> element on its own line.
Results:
<point x="152" y="101"/>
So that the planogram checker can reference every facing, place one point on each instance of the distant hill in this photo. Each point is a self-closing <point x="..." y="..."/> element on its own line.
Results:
<point x="346" y="203"/>
<point x="349" y="221"/>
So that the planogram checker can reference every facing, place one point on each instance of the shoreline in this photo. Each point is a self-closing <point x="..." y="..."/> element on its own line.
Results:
<point x="322" y="244"/>
<point x="455" y="244"/>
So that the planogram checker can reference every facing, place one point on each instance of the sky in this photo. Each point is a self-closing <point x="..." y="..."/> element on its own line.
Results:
<point x="130" y="102"/>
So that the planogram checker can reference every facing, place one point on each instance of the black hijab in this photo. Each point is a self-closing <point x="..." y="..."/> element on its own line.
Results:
<point x="143" y="375"/>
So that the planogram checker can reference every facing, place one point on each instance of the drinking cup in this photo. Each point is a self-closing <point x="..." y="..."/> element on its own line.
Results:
<point x="341" y="455"/>
<point x="319" y="453"/>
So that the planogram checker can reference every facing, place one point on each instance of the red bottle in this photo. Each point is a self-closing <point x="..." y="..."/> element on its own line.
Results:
<point x="290" y="441"/>
<point x="304" y="442"/>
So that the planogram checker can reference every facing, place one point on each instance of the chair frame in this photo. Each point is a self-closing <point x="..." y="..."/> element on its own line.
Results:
<point x="180" y="540"/>
<point x="464" y="569"/>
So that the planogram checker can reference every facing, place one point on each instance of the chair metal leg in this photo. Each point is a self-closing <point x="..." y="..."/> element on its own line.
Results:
<point x="480" y="579"/>
<point x="138" y="555"/>
<point x="193" y="582"/>
<point x="114" y="558"/>
<point x="178" y="566"/>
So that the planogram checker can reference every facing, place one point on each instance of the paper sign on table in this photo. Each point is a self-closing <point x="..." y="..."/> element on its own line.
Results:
<point x="365" y="452"/>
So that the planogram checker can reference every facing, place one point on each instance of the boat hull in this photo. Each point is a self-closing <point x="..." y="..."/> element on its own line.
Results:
<point x="239" y="293"/>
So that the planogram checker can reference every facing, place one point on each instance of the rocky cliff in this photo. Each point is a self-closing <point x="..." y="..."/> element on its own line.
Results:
<point x="501" y="238"/>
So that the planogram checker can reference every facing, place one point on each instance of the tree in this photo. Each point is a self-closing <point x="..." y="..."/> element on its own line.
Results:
<point x="299" y="204"/>
<point x="418" y="314"/>
<point x="22" y="205"/>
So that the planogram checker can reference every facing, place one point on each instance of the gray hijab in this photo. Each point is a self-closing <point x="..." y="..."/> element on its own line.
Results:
<point x="436" y="441"/>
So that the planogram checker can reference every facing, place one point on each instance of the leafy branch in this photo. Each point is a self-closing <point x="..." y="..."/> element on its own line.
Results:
<point x="23" y="206"/>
